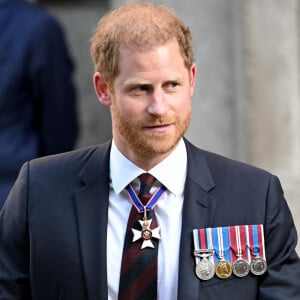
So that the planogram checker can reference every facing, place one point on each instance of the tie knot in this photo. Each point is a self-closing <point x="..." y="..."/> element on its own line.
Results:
<point x="147" y="181"/>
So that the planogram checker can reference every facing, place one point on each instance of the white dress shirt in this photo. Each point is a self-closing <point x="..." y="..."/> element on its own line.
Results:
<point x="171" y="172"/>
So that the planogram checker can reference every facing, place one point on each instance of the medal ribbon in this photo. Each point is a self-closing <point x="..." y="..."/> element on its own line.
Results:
<point x="243" y="243"/>
<point x="222" y="246"/>
<point x="199" y="242"/>
<point x="248" y="243"/>
<point x="203" y="241"/>
<point x="256" y="237"/>
<point x="226" y="244"/>
<point x="238" y="241"/>
<point x="150" y="204"/>
<point x="255" y="248"/>
<point x="261" y="242"/>
<point x="217" y="244"/>
<point x="234" y="241"/>
<point x="209" y="243"/>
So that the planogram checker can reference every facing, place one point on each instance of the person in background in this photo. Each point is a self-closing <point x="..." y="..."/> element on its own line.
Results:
<point x="37" y="96"/>
<point x="146" y="215"/>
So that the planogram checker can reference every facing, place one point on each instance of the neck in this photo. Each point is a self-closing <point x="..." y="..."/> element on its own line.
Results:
<point x="145" y="163"/>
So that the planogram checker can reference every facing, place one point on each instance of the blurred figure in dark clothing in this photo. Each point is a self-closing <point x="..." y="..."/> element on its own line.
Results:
<point x="37" y="97"/>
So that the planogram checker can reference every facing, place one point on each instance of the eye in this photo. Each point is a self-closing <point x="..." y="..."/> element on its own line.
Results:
<point x="171" y="85"/>
<point x="142" y="88"/>
<point x="139" y="89"/>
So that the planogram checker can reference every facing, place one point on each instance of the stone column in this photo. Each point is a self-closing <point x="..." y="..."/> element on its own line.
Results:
<point x="218" y="103"/>
<point x="273" y="100"/>
<point x="246" y="104"/>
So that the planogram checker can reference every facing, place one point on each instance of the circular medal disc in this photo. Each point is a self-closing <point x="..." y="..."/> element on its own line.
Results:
<point x="146" y="234"/>
<point x="240" y="268"/>
<point x="223" y="269"/>
<point x="205" y="270"/>
<point x="258" y="266"/>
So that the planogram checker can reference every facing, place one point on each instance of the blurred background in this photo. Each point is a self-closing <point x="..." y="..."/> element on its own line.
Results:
<point x="247" y="100"/>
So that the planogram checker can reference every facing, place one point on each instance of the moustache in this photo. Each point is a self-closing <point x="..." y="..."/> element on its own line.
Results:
<point x="156" y="121"/>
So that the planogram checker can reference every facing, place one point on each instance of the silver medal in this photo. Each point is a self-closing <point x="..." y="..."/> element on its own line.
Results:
<point x="205" y="270"/>
<point x="258" y="266"/>
<point x="240" y="267"/>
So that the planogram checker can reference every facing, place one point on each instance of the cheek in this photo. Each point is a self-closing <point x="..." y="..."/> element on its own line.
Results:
<point x="184" y="103"/>
<point x="132" y="109"/>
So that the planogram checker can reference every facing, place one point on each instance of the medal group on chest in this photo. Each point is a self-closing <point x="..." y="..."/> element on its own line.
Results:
<point x="226" y="251"/>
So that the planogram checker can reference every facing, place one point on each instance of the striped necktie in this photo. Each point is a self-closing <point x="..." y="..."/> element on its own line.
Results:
<point x="138" y="278"/>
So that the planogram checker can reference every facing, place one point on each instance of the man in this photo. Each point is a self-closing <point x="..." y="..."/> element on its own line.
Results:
<point x="63" y="229"/>
<point x="37" y="96"/>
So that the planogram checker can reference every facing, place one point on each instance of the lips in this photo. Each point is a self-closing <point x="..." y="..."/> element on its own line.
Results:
<point x="159" y="127"/>
<point x="158" y="122"/>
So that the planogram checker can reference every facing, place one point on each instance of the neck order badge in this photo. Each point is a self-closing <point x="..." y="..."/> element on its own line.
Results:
<point x="138" y="278"/>
<point x="145" y="202"/>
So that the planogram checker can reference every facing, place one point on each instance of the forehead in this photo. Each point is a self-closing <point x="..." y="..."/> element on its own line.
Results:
<point x="163" y="58"/>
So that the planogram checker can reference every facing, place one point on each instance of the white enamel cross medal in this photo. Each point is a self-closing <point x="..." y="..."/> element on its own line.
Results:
<point x="146" y="234"/>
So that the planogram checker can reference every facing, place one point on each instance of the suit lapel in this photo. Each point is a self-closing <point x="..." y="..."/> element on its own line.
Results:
<point x="198" y="212"/>
<point x="91" y="204"/>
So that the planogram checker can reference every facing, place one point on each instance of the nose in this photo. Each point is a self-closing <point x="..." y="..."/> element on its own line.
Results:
<point x="158" y="103"/>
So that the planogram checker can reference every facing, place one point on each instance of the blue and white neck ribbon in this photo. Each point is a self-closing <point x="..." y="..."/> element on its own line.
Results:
<point x="150" y="204"/>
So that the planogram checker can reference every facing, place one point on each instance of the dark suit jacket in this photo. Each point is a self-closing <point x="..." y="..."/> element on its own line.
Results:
<point x="37" y="97"/>
<point x="53" y="228"/>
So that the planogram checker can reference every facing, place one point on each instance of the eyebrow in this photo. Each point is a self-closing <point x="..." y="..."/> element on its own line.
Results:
<point x="139" y="81"/>
<point x="136" y="82"/>
<point x="178" y="78"/>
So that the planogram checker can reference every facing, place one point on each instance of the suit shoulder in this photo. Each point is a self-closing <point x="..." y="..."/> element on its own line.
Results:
<point x="33" y="18"/>
<point x="222" y="166"/>
<point x="72" y="161"/>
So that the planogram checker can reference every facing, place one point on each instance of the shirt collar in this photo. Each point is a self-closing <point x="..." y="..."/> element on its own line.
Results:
<point x="171" y="172"/>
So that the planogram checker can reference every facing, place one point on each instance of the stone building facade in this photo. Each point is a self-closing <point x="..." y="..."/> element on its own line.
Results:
<point x="247" y="101"/>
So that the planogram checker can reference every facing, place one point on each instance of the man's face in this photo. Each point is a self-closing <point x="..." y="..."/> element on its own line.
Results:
<point x="150" y="102"/>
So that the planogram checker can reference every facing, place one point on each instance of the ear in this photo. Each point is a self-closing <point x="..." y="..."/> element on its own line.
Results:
<point x="193" y="71"/>
<point x="101" y="89"/>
